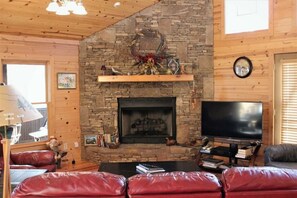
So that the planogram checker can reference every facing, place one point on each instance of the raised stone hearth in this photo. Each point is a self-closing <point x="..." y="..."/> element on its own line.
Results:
<point x="141" y="152"/>
<point x="187" y="27"/>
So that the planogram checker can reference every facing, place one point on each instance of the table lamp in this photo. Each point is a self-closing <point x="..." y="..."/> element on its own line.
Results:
<point x="14" y="110"/>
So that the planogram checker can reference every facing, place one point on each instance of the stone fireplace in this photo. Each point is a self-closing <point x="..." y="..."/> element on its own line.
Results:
<point x="187" y="26"/>
<point x="146" y="120"/>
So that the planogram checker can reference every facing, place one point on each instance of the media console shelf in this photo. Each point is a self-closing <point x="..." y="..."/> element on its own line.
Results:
<point x="146" y="78"/>
<point x="230" y="152"/>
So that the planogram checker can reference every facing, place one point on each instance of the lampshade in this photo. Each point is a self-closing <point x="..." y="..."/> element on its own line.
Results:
<point x="53" y="6"/>
<point x="80" y="10"/>
<point x="14" y="108"/>
<point x="71" y="5"/>
<point x="62" y="10"/>
<point x="65" y="7"/>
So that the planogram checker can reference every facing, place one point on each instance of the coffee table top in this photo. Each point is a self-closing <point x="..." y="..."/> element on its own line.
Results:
<point x="128" y="169"/>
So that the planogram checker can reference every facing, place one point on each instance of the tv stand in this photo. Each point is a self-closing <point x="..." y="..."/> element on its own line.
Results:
<point x="230" y="152"/>
<point x="224" y="151"/>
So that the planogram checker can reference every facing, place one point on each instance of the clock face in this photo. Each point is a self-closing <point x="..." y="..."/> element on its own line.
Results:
<point x="242" y="67"/>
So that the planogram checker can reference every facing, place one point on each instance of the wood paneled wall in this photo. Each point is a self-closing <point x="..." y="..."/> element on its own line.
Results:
<point x="260" y="47"/>
<point x="31" y="18"/>
<point x="59" y="56"/>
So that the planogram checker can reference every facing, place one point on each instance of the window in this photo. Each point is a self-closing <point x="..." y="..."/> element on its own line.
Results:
<point x="30" y="81"/>
<point x="246" y="15"/>
<point x="286" y="102"/>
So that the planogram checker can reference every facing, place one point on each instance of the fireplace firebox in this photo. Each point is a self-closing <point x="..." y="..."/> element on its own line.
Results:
<point x="146" y="120"/>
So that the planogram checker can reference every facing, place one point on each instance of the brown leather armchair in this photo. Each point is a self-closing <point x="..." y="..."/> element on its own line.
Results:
<point x="39" y="159"/>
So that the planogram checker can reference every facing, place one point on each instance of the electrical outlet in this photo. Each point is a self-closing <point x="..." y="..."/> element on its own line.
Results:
<point x="76" y="144"/>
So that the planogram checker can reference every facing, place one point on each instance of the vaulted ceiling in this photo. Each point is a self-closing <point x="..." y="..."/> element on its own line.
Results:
<point x="29" y="17"/>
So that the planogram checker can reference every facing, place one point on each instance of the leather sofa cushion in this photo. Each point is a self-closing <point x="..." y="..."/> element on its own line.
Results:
<point x="72" y="184"/>
<point x="242" y="179"/>
<point x="35" y="158"/>
<point x="200" y="184"/>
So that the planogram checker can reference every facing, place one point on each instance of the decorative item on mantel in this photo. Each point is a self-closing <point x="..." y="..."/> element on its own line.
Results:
<point x="103" y="69"/>
<point x="149" y="50"/>
<point x="173" y="66"/>
<point x="116" y="72"/>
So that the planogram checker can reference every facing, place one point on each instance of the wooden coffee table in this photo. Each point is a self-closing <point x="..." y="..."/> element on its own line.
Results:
<point x="128" y="169"/>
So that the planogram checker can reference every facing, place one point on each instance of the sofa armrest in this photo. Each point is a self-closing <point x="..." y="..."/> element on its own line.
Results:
<point x="245" y="179"/>
<point x="280" y="153"/>
<point x="72" y="184"/>
<point x="35" y="158"/>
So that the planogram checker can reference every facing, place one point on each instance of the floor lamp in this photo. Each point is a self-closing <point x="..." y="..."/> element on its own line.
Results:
<point x="14" y="109"/>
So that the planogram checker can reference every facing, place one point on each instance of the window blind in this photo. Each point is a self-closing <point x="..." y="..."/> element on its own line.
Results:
<point x="289" y="103"/>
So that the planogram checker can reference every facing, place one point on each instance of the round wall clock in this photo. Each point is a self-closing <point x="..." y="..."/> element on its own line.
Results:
<point x="242" y="67"/>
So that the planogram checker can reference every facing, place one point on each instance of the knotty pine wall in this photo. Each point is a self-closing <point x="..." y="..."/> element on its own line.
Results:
<point x="59" y="56"/>
<point x="260" y="47"/>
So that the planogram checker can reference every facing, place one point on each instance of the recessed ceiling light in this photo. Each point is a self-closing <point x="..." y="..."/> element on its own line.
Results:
<point x="116" y="4"/>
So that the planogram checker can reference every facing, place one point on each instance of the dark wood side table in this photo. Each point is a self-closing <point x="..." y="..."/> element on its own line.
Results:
<point x="128" y="169"/>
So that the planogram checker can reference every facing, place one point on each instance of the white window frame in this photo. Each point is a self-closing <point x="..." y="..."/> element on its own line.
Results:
<point x="251" y="34"/>
<point x="46" y="102"/>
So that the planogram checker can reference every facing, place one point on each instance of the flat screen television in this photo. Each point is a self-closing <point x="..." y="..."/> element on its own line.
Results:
<point x="232" y="120"/>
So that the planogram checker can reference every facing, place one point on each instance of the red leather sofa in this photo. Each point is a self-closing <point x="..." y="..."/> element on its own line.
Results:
<point x="72" y="184"/>
<point x="39" y="159"/>
<point x="175" y="184"/>
<point x="256" y="182"/>
<point x="259" y="182"/>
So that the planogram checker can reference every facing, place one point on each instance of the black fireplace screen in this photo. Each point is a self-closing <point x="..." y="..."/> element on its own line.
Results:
<point x="146" y="120"/>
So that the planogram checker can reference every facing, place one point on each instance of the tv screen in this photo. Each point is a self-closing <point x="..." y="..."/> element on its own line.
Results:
<point x="236" y="120"/>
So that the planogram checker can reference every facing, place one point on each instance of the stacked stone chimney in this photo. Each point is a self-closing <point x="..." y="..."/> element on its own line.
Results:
<point x="187" y="26"/>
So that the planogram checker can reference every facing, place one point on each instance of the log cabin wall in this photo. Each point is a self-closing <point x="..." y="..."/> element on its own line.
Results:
<point x="260" y="47"/>
<point x="59" y="56"/>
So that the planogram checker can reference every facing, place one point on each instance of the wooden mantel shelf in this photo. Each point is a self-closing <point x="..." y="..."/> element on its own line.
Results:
<point x="147" y="78"/>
